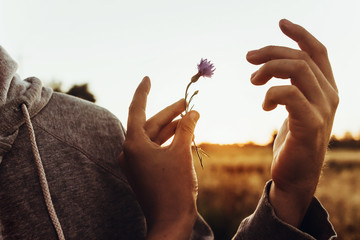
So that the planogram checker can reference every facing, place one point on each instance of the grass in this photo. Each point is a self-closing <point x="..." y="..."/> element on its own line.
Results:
<point x="233" y="178"/>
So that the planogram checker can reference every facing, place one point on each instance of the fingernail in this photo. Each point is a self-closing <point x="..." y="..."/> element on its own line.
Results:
<point x="253" y="75"/>
<point x="194" y="116"/>
<point x="146" y="81"/>
<point x="146" y="78"/>
<point x="181" y="100"/>
<point x="181" y="103"/>
<point x="251" y="53"/>
<point x="285" y="22"/>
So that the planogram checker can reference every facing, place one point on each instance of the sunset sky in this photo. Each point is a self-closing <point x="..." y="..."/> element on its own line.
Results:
<point x="112" y="44"/>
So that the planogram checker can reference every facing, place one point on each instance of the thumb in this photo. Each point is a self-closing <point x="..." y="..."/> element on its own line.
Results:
<point x="185" y="130"/>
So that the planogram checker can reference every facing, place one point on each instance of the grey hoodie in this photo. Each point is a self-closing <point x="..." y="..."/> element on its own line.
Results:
<point x="59" y="171"/>
<point x="78" y="143"/>
<point x="59" y="175"/>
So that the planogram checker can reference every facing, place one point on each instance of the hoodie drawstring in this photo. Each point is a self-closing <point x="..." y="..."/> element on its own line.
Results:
<point x="42" y="176"/>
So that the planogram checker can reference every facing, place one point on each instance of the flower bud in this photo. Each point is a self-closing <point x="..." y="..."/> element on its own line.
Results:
<point x="195" y="77"/>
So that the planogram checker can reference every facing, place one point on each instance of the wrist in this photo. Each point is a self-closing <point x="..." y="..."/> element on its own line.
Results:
<point x="291" y="203"/>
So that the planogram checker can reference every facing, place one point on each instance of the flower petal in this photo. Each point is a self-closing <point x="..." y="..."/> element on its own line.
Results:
<point x="206" y="68"/>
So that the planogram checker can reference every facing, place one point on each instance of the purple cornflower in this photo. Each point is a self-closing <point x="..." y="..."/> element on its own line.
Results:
<point x="205" y="69"/>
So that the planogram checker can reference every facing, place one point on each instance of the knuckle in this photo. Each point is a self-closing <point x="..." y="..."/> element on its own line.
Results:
<point x="292" y="91"/>
<point x="321" y="49"/>
<point x="271" y="93"/>
<point x="334" y="101"/>
<point x="269" y="49"/>
<point x="327" y="110"/>
<point x="318" y="123"/>
<point x="302" y="65"/>
<point x="303" y="55"/>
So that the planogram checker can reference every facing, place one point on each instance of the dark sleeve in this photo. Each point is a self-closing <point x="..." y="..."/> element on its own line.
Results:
<point x="264" y="224"/>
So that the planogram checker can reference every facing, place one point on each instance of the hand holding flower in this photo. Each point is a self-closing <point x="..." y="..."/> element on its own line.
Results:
<point x="163" y="178"/>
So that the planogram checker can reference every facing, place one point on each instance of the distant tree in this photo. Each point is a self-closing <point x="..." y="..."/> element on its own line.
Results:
<point x="348" y="136"/>
<point x="346" y="142"/>
<point x="81" y="91"/>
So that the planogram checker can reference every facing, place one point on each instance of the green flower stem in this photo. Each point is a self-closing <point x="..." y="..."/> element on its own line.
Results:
<point x="186" y="95"/>
<point x="187" y="104"/>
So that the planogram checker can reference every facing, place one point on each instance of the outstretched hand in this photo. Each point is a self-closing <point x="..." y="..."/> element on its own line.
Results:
<point x="311" y="101"/>
<point x="163" y="178"/>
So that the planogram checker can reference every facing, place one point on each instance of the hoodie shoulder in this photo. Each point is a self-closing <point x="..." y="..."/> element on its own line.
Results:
<point x="85" y="126"/>
<point x="7" y="65"/>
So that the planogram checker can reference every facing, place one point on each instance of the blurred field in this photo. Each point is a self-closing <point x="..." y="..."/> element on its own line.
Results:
<point x="233" y="178"/>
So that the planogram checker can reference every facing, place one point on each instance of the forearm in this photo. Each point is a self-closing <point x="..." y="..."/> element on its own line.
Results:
<point x="264" y="223"/>
<point x="295" y="180"/>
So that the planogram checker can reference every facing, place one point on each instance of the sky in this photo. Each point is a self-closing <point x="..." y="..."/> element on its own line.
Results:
<point x="113" y="44"/>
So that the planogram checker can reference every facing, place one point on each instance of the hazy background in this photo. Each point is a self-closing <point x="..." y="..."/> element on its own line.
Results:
<point x="112" y="44"/>
<point x="232" y="181"/>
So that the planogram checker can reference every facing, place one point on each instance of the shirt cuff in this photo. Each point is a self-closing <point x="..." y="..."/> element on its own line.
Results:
<point x="264" y="224"/>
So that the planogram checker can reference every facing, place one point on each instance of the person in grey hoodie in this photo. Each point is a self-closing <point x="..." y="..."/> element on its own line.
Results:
<point x="60" y="175"/>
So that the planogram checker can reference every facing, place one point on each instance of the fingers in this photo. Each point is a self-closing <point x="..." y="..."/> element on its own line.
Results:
<point x="155" y="124"/>
<point x="298" y="70"/>
<point x="137" y="117"/>
<point x="308" y="43"/>
<point x="296" y="104"/>
<point x="185" y="130"/>
<point x="166" y="132"/>
<point x="313" y="52"/>
<point x="269" y="53"/>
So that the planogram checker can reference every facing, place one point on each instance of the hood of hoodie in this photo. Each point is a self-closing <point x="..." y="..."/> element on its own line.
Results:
<point x="15" y="92"/>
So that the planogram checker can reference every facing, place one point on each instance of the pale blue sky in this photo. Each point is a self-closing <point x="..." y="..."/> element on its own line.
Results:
<point x="112" y="44"/>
